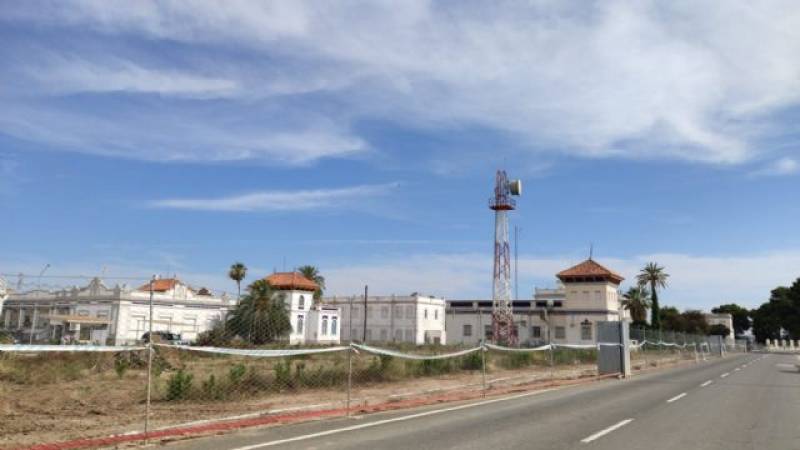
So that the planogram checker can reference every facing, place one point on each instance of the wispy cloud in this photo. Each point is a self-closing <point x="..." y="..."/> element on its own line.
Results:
<point x="780" y="167"/>
<point x="608" y="79"/>
<point x="69" y="75"/>
<point x="275" y="201"/>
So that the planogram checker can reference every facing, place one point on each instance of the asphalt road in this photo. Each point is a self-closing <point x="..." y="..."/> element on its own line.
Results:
<point x="741" y="402"/>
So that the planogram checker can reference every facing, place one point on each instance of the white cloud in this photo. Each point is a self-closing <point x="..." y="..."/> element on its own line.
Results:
<point x="780" y="167"/>
<point x="70" y="75"/>
<point x="272" y="201"/>
<point x="682" y="80"/>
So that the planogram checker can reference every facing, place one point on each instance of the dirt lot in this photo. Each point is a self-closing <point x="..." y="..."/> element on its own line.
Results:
<point x="55" y="398"/>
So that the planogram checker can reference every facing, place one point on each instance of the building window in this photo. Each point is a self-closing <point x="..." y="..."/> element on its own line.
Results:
<point x="409" y="336"/>
<point x="487" y="331"/>
<point x="369" y="334"/>
<point x="301" y="302"/>
<point x="586" y="330"/>
<point x="435" y="314"/>
<point x="384" y="334"/>
<point x="324" y="325"/>
<point x="536" y="332"/>
<point x="334" y="325"/>
<point x="598" y="296"/>
<point x="369" y="312"/>
<point x="425" y="313"/>
<point x="561" y="333"/>
<point x="410" y="312"/>
<point x="398" y="311"/>
<point x="385" y="312"/>
<point x="467" y="330"/>
<point x="398" y="335"/>
<point x="299" y="323"/>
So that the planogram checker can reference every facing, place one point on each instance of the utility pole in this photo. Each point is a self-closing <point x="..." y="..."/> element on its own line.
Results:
<point x="516" y="263"/>
<point x="149" y="362"/>
<point x="366" y="293"/>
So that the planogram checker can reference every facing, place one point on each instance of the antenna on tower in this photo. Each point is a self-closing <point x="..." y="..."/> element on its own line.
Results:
<point x="591" y="250"/>
<point x="503" y="330"/>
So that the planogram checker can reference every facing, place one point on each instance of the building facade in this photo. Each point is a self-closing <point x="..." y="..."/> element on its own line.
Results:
<point x="415" y="318"/>
<point x="312" y="322"/>
<point x="586" y="294"/>
<point x="117" y="315"/>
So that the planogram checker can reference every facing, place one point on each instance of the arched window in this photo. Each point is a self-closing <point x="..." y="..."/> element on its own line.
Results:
<point x="301" y="303"/>
<point x="324" y="325"/>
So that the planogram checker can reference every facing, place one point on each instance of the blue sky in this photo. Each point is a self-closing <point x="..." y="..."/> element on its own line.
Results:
<point x="362" y="137"/>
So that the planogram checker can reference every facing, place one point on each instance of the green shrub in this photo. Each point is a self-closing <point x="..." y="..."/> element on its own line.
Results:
<point x="283" y="375"/>
<point x="121" y="365"/>
<point x="236" y="374"/>
<point x="213" y="390"/>
<point x="179" y="385"/>
<point x="472" y="361"/>
<point x="517" y="360"/>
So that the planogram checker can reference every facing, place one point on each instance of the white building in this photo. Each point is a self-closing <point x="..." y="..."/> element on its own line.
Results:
<point x="118" y="315"/>
<point x="722" y="319"/>
<point x="587" y="293"/>
<point x="415" y="318"/>
<point x="311" y="323"/>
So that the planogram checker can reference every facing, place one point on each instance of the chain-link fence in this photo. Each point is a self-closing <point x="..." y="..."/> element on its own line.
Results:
<point x="163" y="360"/>
<point x="653" y="348"/>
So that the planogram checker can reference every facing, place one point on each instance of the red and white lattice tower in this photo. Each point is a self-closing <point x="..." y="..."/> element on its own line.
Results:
<point x="503" y="330"/>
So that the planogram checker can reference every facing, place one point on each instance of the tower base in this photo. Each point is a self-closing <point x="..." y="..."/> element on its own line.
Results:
<point x="503" y="330"/>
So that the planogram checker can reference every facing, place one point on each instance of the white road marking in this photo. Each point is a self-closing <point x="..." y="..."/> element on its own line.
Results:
<point x="602" y="433"/>
<point x="706" y="383"/>
<point x="736" y="369"/>
<point x="724" y="375"/>
<point x="385" y="421"/>
<point x="676" y="398"/>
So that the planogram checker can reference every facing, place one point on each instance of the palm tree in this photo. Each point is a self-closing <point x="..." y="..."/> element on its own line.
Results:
<point x="237" y="273"/>
<point x="312" y="273"/>
<point x="652" y="274"/>
<point x="637" y="301"/>
<point x="262" y="314"/>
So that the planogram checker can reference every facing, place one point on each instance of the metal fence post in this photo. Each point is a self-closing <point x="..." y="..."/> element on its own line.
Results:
<point x="149" y="363"/>
<point x="644" y="347"/>
<point x="349" y="374"/>
<point x="483" y="367"/>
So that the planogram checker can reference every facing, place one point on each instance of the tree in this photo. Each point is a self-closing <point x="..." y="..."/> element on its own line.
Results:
<point x="779" y="318"/>
<point x="237" y="273"/>
<point x="694" y="322"/>
<point x="261" y="316"/>
<point x="637" y="301"/>
<point x="652" y="274"/>
<point x="719" y="330"/>
<point x="672" y="319"/>
<point x="312" y="273"/>
<point x="741" y="316"/>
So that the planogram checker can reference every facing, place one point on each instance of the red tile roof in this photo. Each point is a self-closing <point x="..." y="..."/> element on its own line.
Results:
<point x="291" y="281"/>
<point x="161" y="285"/>
<point x="588" y="271"/>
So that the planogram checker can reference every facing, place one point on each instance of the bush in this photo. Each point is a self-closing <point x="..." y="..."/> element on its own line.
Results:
<point x="121" y="365"/>
<point x="517" y="360"/>
<point x="236" y="374"/>
<point x="213" y="390"/>
<point x="283" y="375"/>
<point x="179" y="385"/>
<point x="473" y="361"/>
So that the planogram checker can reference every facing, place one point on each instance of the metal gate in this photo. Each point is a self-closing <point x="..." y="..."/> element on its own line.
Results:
<point x="613" y="355"/>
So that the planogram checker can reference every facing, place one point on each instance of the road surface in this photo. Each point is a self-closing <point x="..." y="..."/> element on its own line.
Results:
<point x="741" y="402"/>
